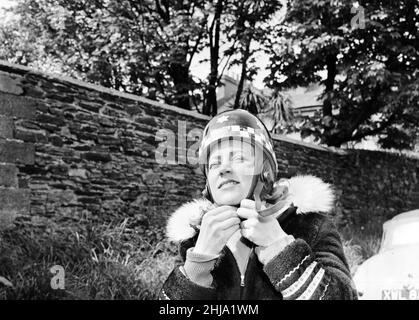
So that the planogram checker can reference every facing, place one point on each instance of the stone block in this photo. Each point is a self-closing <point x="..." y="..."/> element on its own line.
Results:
<point x="62" y="197"/>
<point x="8" y="175"/>
<point x="91" y="106"/>
<point x="13" y="202"/>
<point x="108" y="140"/>
<point x="49" y="119"/>
<point x="6" y="218"/>
<point x="97" y="156"/>
<point x="6" y="127"/>
<point x="9" y="84"/>
<point x="17" y="152"/>
<point x="16" y="106"/>
<point x="30" y="136"/>
<point x="81" y="173"/>
<point x="17" y="199"/>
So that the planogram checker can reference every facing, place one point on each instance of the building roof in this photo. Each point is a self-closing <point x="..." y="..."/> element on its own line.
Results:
<point x="305" y="98"/>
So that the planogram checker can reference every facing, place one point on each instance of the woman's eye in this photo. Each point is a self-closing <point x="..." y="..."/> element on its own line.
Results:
<point x="213" y="165"/>
<point x="238" y="158"/>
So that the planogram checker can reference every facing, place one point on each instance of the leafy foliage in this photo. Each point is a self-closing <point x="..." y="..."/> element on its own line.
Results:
<point x="366" y="57"/>
<point x="275" y="109"/>
<point x="370" y="56"/>
<point x="142" y="47"/>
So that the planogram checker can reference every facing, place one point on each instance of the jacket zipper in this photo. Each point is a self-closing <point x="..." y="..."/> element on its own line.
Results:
<point x="242" y="280"/>
<point x="242" y="275"/>
<point x="241" y="286"/>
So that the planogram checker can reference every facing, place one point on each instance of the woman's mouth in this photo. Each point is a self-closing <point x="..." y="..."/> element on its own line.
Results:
<point x="227" y="183"/>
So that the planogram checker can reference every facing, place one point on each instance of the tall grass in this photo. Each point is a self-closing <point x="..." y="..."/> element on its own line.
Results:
<point x="360" y="243"/>
<point x="109" y="261"/>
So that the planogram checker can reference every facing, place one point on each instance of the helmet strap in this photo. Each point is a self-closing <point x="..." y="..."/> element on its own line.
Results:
<point x="254" y="194"/>
<point x="257" y="190"/>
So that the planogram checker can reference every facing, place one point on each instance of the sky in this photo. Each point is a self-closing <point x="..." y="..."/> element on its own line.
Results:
<point x="3" y="5"/>
<point x="6" y="3"/>
<point x="201" y="70"/>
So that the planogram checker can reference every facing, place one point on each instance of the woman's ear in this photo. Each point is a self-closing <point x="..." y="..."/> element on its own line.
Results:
<point x="273" y="190"/>
<point x="206" y="193"/>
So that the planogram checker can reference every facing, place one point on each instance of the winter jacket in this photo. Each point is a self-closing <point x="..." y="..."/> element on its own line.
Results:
<point x="313" y="266"/>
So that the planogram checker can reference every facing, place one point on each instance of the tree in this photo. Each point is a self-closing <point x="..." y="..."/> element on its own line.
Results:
<point x="251" y="24"/>
<point x="236" y="24"/>
<point x="276" y="109"/>
<point x="142" y="47"/>
<point x="252" y="100"/>
<point x="370" y="57"/>
<point x="279" y="108"/>
<point x="214" y="34"/>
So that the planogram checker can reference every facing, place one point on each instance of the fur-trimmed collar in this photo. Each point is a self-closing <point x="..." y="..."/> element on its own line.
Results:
<point x="307" y="193"/>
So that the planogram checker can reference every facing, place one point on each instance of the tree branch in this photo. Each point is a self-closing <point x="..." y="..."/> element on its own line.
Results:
<point x="389" y="121"/>
<point x="198" y="40"/>
<point x="164" y="15"/>
<point x="366" y="112"/>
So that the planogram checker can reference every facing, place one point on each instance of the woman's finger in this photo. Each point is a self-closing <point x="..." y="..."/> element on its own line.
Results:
<point x="247" y="233"/>
<point x="249" y="223"/>
<point x="246" y="213"/>
<point x="220" y="209"/>
<point x="225" y="215"/>
<point x="229" y="222"/>
<point x="221" y="215"/>
<point x="246" y="203"/>
<point x="231" y="230"/>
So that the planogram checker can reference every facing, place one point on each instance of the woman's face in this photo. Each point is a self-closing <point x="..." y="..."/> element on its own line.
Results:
<point x="230" y="172"/>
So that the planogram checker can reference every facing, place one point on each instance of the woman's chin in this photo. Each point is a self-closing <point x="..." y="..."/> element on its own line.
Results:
<point x="227" y="199"/>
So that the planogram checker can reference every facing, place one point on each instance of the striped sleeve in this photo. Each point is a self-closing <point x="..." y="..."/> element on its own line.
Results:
<point x="178" y="286"/>
<point x="320" y="272"/>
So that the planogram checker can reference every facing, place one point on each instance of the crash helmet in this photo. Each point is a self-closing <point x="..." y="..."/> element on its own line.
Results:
<point x="238" y="125"/>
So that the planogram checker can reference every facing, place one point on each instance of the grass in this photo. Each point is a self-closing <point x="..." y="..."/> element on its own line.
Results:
<point x="109" y="261"/>
<point x="360" y="243"/>
<point x="104" y="262"/>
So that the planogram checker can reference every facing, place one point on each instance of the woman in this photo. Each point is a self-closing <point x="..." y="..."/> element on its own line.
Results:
<point x="252" y="237"/>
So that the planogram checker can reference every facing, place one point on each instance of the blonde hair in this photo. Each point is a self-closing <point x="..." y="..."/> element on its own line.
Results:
<point x="272" y="190"/>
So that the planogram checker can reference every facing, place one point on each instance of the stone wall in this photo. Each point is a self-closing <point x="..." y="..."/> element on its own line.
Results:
<point x="72" y="152"/>
<point x="370" y="186"/>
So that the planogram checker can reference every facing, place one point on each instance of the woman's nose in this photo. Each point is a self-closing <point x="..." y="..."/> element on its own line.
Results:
<point x="225" y="167"/>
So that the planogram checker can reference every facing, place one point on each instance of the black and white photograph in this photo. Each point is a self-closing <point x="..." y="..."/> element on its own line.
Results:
<point x="209" y="150"/>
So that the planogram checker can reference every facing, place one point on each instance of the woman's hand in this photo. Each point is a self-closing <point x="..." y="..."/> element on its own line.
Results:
<point x="217" y="226"/>
<point x="262" y="231"/>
